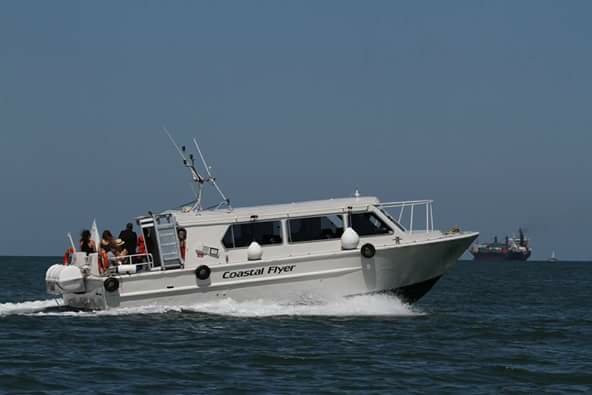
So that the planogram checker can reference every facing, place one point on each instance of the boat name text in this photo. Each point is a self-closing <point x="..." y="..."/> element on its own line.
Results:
<point x="259" y="272"/>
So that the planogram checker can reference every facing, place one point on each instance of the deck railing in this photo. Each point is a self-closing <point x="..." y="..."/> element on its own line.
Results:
<point x="411" y="204"/>
<point x="146" y="260"/>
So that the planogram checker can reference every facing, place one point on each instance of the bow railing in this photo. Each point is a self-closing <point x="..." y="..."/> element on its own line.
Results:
<point x="407" y="210"/>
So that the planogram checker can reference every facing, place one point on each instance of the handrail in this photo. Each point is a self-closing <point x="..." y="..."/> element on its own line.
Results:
<point x="404" y="203"/>
<point x="429" y="216"/>
<point x="130" y="259"/>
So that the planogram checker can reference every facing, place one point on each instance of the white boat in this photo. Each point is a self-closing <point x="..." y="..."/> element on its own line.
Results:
<point x="285" y="252"/>
<point x="553" y="258"/>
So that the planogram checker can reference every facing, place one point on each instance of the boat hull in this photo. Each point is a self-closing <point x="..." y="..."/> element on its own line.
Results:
<point x="408" y="270"/>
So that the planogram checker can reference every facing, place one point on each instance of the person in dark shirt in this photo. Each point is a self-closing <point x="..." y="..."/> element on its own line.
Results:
<point x="86" y="243"/>
<point x="130" y="238"/>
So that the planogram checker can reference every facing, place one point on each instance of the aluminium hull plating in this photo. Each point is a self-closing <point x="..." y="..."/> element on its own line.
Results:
<point x="409" y="270"/>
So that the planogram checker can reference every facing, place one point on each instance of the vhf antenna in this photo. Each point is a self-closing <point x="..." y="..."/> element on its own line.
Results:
<point x="212" y="179"/>
<point x="189" y="162"/>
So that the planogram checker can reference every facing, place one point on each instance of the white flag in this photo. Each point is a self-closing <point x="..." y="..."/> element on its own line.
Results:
<point x="94" y="234"/>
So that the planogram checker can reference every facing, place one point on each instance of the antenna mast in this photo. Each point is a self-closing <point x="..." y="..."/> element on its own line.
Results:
<point x="198" y="179"/>
<point x="212" y="179"/>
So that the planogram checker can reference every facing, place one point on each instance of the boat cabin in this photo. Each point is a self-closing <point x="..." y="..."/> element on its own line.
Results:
<point x="283" y="230"/>
<point x="334" y="247"/>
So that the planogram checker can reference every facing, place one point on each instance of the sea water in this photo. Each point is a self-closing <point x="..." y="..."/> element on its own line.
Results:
<point x="484" y="328"/>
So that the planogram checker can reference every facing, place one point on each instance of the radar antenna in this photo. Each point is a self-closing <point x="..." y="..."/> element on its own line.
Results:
<point x="198" y="179"/>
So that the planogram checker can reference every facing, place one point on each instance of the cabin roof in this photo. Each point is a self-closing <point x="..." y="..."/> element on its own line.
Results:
<point x="240" y="214"/>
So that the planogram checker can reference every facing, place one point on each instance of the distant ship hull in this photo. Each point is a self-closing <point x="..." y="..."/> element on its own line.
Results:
<point x="496" y="256"/>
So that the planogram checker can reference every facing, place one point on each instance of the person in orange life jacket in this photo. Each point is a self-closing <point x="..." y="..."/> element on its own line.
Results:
<point x="141" y="245"/>
<point x="182" y="233"/>
<point x="141" y="250"/>
<point x="106" y="241"/>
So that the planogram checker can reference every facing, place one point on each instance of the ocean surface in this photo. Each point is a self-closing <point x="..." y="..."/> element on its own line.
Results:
<point x="484" y="328"/>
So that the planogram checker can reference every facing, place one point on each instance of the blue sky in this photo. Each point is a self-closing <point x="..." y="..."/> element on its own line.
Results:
<point x="482" y="106"/>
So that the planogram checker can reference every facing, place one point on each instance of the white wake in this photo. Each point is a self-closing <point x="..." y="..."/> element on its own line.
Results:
<point x="365" y="305"/>
<point x="27" y="307"/>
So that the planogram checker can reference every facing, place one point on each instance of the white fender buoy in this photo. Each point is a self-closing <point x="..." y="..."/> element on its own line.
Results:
<point x="254" y="252"/>
<point x="350" y="239"/>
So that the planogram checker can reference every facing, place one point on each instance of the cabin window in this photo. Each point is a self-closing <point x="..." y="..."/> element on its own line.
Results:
<point x="264" y="233"/>
<point x="394" y="221"/>
<point x="315" y="228"/>
<point x="368" y="224"/>
<point x="228" y="240"/>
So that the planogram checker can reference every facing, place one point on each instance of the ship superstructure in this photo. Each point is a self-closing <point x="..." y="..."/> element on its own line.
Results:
<point x="512" y="249"/>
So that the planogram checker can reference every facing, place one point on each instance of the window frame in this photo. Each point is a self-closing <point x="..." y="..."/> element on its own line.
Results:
<point x="390" y="218"/>
<point x="230" y="227"/>
<point x="289" y="233"/>
<point x="377" y="216"/>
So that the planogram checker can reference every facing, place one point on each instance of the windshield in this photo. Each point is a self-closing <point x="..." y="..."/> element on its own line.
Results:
<point x="394" y="221"/>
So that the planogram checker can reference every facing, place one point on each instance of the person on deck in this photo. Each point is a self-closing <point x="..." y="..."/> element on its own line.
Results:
<point x="119" y="251"/>
<point x="141" y="245"/>
<point x="141" y="250"/>
<point x="86" y="244"/>
<point x="129" y="237"/>
<point x="106" y="241"/>
<point x="182" y="234"/>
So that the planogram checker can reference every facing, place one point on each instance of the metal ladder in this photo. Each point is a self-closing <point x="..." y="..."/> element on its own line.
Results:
<point x="165" y="228"/>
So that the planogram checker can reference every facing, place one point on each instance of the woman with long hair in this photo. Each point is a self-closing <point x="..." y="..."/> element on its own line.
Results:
<point x="86" y="243"/>
<point x="106" y="241"/>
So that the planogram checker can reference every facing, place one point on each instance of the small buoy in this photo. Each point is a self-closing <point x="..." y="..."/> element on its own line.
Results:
<point x="349" y="239"/>
<point x="254" y="252"/>
<point x="203" y="272"/>
<point x="111" y="284"/>
<point x="368" y="250"/>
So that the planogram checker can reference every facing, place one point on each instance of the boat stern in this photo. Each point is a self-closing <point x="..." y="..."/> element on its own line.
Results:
<point x="79" y="288"/>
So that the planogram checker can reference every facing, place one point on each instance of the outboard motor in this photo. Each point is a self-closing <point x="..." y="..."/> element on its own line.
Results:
<point x="61" y="279"/>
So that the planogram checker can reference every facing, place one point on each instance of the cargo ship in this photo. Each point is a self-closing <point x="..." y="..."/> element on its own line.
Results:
<point x="513" y="249"/>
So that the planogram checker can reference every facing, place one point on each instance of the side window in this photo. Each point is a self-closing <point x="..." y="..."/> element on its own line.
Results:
<point x="228" y="240"/>
<point x="315" y="228"/>
<point x="264" y="233"/>
<point x="368" y="224"/>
